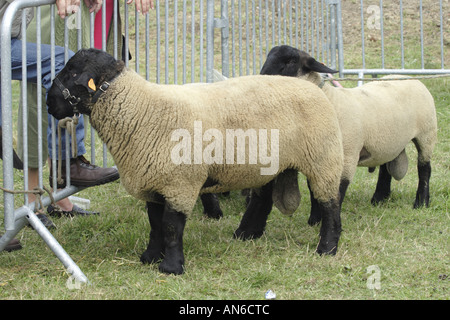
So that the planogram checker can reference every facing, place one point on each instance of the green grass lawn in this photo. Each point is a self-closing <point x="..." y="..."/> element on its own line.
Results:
<point x="410" y="248"/>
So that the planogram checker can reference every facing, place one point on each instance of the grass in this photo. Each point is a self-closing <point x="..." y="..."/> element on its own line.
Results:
<point x="410" y="247"/>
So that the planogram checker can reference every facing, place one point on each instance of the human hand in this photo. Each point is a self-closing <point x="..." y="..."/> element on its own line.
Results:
<point x="142" y="5"/>
<point x="93" y="5"/>
<point x="66" y="7"/>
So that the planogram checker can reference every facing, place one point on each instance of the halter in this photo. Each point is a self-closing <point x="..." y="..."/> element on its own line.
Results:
<point x="67" y="96"/>
<point x="101" y="89"/>
<point x="73" y="100"/>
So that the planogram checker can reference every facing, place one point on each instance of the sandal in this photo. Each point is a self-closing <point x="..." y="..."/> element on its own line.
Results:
<point x="76" y="211"/>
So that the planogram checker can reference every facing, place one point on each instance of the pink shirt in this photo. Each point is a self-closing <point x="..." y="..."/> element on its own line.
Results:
<point x="109" y="5"/>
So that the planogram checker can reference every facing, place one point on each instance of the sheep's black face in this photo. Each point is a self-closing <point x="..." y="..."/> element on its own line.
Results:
<point x="282" y="60"/>
<point x="289" y="61"/>
<point x="75" y="86"/>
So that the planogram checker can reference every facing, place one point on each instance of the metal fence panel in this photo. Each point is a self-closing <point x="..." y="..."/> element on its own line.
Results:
<point x="412" y="28"/>
<point x="15" y="220"/>
<point x="255" y="26"/>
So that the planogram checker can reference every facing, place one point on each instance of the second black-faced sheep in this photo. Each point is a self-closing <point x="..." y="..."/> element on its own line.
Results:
<point x="166" y="141"/>
<point x="377" y="121"/>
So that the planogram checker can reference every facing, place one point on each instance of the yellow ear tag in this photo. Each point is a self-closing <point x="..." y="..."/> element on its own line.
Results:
<point x="91" y="85"/>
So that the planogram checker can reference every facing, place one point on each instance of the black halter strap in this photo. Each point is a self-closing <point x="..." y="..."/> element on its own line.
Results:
<point x="102" y="89"/>
<point x="67" y="96"/>
<point x="73" y="100"/>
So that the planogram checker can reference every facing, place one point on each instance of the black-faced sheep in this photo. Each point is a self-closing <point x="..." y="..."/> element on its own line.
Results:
<point x="377" y="121"/>
<point x="148" y="129"/>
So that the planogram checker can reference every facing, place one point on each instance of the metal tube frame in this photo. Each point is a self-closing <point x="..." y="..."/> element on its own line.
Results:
<point x="15" y="220"/>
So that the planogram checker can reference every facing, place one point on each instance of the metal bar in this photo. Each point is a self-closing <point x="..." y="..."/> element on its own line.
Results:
<point x="441" y="25"/>
<point x="175" y="42"/>
<point x="57" y="249"/>
<point x="224" y="35"/>
<point x="233" y="42"/>
<point x="301" y="26"/>
<point x="147" y="47"/>
<point x="296" y="23"/>
<point x="116" y="32"/>
<point x="240" y="37"/>
<point x="158" y="43"/>
<point x="402" y="41"/>
<point x="362" y="36"/>
<point x="209" y="41"/>
<point x="253" y="38"/>
<point x="260" y="34"/>
<point x="421" y="35"/>
<point x="247" y="41"/>
<point x="137" y="40"/>
<point x="398" y="71"/>
<point x="273" y="23"/>
<point x="39" y="95"/>
<point x="201" y="40"/>
<point x="193" y="41"/>
<point x="24" y="103"/>
<point x="166" y="42"/>
<point x="340" y="38"/>
<point x="184" y="40"/>
<point x="382" y="33"/>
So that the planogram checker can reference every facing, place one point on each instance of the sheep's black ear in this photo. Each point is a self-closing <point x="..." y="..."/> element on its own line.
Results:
<point x="87" y="81"/>
<point x="312" y="64"/>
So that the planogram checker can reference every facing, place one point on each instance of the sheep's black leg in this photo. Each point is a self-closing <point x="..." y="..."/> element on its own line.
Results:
<point x="315" y="215"/>
<point x="155" y="248"/>
<point x="255" y="217"/>
<point x="211" y="206"/>
<point x="383" y="189"/>
<point x="423" y="190"/>
<point x="343" y="190"/>
<point x="173" y="223"/>
<point x="330" y="230"/>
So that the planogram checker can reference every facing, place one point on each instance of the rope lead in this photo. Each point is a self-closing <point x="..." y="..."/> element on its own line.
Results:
<point x="70" y="125"/>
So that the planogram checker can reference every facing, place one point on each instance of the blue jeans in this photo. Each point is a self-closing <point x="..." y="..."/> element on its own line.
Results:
<point x="16" y="74"/>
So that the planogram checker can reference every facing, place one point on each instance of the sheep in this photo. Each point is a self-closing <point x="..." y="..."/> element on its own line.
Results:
<point x="377" y="121"/>
<point x="147" y="129"/>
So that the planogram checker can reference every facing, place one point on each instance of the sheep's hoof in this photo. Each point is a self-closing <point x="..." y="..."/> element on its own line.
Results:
<point x="378" y="198"/>
<point x="247" y="235"/>
<point x="171" y="268"/>
<point x="211" y="206"/>
<point x="151" y="257"/>
<point x="325" y="249"/>
<point x="215" y="214"/>
<point x="421" y="202"/>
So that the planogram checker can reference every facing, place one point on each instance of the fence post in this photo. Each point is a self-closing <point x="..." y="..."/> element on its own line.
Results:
<point x="223" y="24"/>
<point x="340" y="39"/>
<point x="209" y="41"/>
<point x="16" y="220"/>
<point x="336" y="35"/>
<point x="6" y="74"/>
